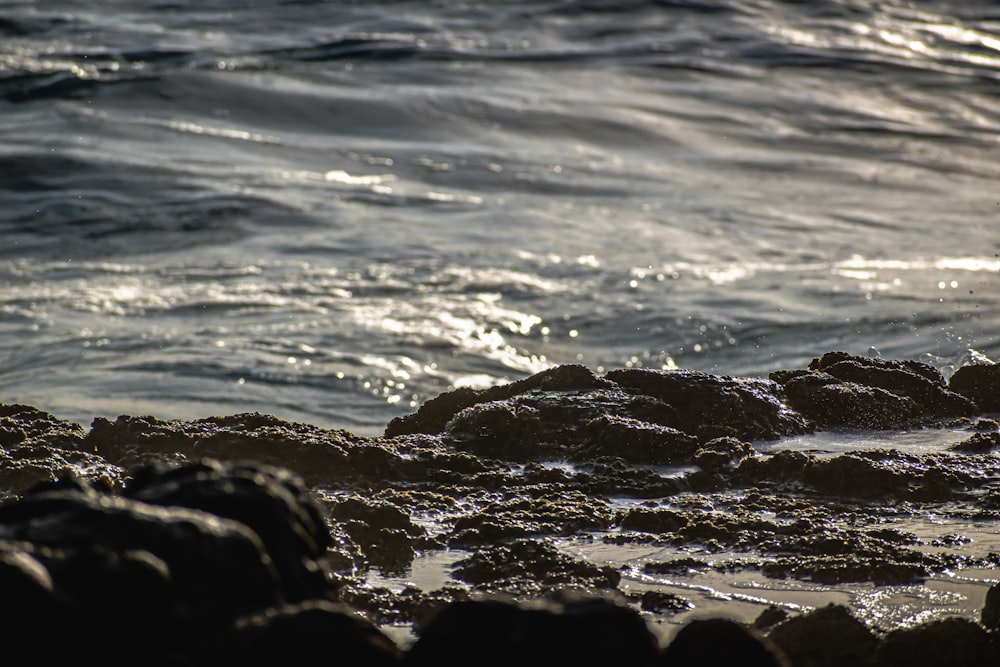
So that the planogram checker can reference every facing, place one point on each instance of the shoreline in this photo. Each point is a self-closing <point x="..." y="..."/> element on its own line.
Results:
<point x="662" y="493"/>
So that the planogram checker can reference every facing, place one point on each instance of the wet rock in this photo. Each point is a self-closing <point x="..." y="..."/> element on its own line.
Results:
<point x="871" y="474"/>
<point x="978" y="443"/>
<point x="315" y="454"/>
<point x="979" y="382"/>
<point x="584" y="631"/>
<point x="635" y="441"/>
<point x="654" y="520"/>
<point x="434" y="414"/>
<point x="881" y="570"/>
<point x="948" y="642"/>
<point x="663" y="603"/>
<point x="720" y="641"/>
<point x="565" y="513"/>
<point x="528" y="567"/>
<point x="576" y="425"/>
<point x="676" y="566"/>
<point x="722" y="453"/>
<point x="829" y="402"/>
<point x="411" y="605"/>
<point x="769" y="618"/>
<point x="37" y="447"/>
<point x="385" y="534"/>
<point x="711" y="406"/>
<point x="829" y="636"/>
<point x="915" y="380"/>
<point x="990" y="615"/>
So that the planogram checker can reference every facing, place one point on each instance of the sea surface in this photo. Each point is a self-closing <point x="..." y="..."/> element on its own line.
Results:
<point x="334" y="211"/>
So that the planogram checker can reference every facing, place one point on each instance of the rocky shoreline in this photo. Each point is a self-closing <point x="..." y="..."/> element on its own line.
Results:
<point x="249" y="538"/>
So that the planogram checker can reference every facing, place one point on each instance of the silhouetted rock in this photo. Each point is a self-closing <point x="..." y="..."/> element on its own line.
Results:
<point x="313" y="632"/>
<point x="826" y="637"/>
<point x="715" y="642"/>
<point x="584" y="631"/>
<point x="949" y="642"/>
<point x="990" y="615"/>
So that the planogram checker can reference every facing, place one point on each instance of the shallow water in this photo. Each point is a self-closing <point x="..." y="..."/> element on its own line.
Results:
<point x="334" y="211"/>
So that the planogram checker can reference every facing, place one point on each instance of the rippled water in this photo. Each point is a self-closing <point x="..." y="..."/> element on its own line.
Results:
<point x="333" y="211"/>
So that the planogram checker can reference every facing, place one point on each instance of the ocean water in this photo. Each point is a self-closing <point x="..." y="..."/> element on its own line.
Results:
<point x="333" y="211"/>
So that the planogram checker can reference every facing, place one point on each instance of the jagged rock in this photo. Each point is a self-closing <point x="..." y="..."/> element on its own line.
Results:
<point x="841" y="389"/>
<point x="978" y="443"/>
<point x="36" y="447"/>
<point x="564" y="513"/>
<point x="918" y="381"/>
<point x="829" y="402"/>
<point x="315" y="454"/>
<point x="711" y="406"/>
<point x="434" y="414"/>
<point x="386" y="535"/>
<point x="531" y="567"/>
<point x="979" y="382"/>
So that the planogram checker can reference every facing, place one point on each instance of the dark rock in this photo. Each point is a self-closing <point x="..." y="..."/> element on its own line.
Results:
<point x="386" y="535"/>
<point x="654" y="520"/>
<point x="302" y="634"/>
<point x="36" y="447"/>
<point x="978" y="443"/>
<point x="720" y="641"/>
<point x="826" y="637"/>
<point x="528" y="566"/>
<point x="722" y="453"/>
<point x="980" y="383"/>
<point x="768" y="618"/>
<point x="577" y="425"/>
<point x="434" y="415"/>
<point x="635" y="441"/>
<point x="948" y="642"/>
<point x="711" y="406"/>
<point x="219" y="568"/>
<point x="584" y="631"/>
<point x="829" y="402"/>
<point x="563" y="513"/>
<point x="990" y="616"/>
<point x="933" y="397"/>
<point x="663" y="603"/>
<point x="274" y="503"/>
<point x="317" y="455"/>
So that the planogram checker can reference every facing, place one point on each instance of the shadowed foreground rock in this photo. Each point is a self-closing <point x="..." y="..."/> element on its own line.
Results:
<point x="584" y="631"/>
<point x="720" y="641"/>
